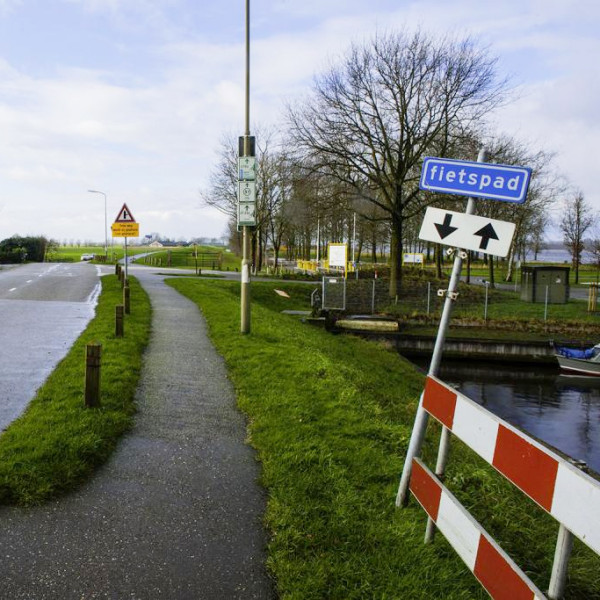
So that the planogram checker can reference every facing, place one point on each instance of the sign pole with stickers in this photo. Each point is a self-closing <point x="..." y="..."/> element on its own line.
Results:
<point x="125" y="226"/>
<point x="246" y="191"/>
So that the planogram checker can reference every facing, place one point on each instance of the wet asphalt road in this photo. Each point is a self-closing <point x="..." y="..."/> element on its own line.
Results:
<point x="43" y="309"/>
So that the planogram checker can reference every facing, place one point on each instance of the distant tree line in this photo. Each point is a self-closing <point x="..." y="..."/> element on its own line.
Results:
<point x="17" y="249"/>
<point x="347" y="162"/>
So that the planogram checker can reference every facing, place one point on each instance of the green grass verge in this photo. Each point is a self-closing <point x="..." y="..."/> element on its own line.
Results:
<point x="330" y="417"/>
<point x="57" y="442"/>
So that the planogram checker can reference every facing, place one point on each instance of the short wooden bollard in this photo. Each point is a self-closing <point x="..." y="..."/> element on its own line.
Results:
<point x="127" y="298"/>
<point x="117" y="270"/>
<point x="119" y="320"/>
<point x="93" y="353"/>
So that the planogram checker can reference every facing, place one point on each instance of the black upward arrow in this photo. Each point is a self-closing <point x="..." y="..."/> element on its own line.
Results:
<point x="445" y="229"/>
<point x="487" y="233"/>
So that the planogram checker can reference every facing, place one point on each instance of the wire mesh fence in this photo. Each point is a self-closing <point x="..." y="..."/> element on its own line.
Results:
<point x="423" y="298"/>
<point x="365" y="296"/>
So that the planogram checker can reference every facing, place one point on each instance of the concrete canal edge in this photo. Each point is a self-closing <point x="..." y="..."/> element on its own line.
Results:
<point x="479" y="349"/>
<point x="414" y="345"/>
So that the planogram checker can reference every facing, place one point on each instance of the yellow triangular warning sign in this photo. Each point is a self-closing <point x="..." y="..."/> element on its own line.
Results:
<point x="124" y="216"/>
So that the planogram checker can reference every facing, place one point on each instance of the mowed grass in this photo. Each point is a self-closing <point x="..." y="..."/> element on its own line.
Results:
<point x="330" y="417"/>
<point x="57" y="443"/>
<point x="74" y="253"/>
<point x="184" y="258"/>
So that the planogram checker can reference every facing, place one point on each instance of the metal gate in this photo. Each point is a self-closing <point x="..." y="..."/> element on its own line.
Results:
<point x="334" y="293"/>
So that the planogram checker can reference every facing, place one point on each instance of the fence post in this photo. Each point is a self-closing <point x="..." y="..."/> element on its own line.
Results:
<point x="428" y="297"/>
<point x="485" y="310"/>
<point x="373" y="298"/>
<point x="119" y="320"/>
<point x="127" y="297"/>
<point x="546" y="305"/>
<point x="93" y="352"/>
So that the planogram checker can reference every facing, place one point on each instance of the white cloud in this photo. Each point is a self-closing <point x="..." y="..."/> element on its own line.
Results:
<point x="147" y="132"/>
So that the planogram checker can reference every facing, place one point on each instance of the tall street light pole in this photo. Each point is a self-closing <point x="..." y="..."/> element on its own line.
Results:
<point x="105" y="224"/>
<point x="245" y="290"/>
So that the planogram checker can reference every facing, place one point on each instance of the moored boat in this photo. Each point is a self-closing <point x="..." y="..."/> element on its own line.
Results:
<point x="579" y="361"/>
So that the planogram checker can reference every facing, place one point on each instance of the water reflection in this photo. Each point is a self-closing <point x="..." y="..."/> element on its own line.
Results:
<point x="562" y="411"/>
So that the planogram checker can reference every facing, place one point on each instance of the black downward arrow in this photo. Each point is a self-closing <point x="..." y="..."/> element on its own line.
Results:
<point x="445" y="229"/>
<point x="487" y="233"/>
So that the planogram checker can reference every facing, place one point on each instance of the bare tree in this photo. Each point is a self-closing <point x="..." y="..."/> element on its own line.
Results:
<point x="370" y="121"/>
<point x="531" y="217"/>
<point x="222" y="191"/>
<point x="577" y="218"/>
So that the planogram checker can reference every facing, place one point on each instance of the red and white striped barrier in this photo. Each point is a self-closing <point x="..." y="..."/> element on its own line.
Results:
<point x="494" y="569"/>
<point x="568" y="494"/>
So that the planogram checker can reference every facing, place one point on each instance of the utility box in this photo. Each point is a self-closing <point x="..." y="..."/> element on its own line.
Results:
<point x="539" y="282"/>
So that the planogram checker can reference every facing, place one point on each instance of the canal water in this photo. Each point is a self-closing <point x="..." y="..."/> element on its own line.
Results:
<point x="560" y="410"/>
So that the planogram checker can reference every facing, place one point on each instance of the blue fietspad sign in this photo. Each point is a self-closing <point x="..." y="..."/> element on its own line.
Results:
<point x="480" y="180"/>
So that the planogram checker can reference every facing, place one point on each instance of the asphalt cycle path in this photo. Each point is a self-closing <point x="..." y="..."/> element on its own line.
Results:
<point x="176" y="514"/>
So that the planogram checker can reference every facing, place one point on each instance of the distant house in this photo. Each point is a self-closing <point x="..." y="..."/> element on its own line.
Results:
<point x="155" y="244"/>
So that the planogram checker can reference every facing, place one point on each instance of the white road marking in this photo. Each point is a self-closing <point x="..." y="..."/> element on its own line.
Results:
<point x="12" y="289"/>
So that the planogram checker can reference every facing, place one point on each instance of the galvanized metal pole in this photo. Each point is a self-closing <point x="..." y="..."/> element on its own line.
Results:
<point x="353" y="237"/>
<point x="373" y="298"/>
<point x="558" y="579"/>
<point x="421" y="419"/>
<point x="318" y="240"/>
<point x="245" y="285"/>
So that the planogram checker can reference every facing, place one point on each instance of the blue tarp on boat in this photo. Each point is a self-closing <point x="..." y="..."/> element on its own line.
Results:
<point x="585" y="353"/>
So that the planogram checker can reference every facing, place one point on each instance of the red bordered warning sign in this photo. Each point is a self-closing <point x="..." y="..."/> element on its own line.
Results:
<point x="125" y="215"/>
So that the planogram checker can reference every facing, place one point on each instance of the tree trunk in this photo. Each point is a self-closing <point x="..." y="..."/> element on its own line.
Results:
<point x="396" y="256"/>
<point x="253" y="252"/>
<point x="511" y="259"/>
<point x="276" y="250"/>
<point x="438" y="260"/>
<point x="261" y="246"/>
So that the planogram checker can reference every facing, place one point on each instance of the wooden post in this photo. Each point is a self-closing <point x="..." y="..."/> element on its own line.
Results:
<point x="127" y="297"/>
<point x="117" y="269"/>
<point x="92" y="374"/>
<point x="119" y="321"/>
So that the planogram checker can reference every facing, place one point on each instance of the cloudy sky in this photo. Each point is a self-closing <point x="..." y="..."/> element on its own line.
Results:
<point x="132" y="97"/>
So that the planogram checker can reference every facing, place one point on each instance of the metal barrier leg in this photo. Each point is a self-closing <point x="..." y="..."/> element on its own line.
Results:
<point x="440" y="469"/>
<point x="414" y="449"/>
<point x="558" y="580"/>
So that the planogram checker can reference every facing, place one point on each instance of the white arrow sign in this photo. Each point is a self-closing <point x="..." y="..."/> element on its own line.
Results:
<point x="469" y="232"/>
